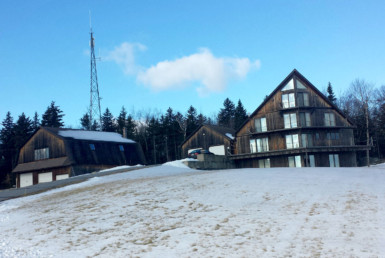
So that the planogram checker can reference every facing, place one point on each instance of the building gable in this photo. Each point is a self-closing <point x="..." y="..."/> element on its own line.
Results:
<point x="293" y="92"/>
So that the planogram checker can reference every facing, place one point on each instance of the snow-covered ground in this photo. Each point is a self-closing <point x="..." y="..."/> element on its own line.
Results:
<point x="173" y="211"/>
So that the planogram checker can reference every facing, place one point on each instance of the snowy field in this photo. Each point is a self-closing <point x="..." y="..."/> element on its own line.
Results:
<point x="171" y="211"/>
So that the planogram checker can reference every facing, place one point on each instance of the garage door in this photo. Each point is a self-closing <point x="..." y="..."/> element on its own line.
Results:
<point x="60" y="177"/>
<point x="45" y="177"/>
<point x="26" y="179"/>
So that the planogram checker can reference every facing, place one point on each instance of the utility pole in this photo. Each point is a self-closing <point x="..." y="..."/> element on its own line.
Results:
<point x="95" y="111"/>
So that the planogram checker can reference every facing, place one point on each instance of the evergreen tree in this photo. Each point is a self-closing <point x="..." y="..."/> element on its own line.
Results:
<point x="108" y="124"/>
<point x="35" y="122"/>
<point x="226" y="114"/>
<point x="191" y="120"/>
<point x="130" y="127"/>
<point x="23" y="129"/>
<point x="8" y="150"/>
<point x="85" y="122"/>
<point x="201" y="119"/>
<point x="240" y="115"/>
<point x="53" y="116"/>
<point x="122" y="120"/>
<point x="331" y="95"/>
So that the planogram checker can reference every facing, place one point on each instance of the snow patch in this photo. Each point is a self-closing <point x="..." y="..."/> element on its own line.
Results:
<point x="119" y="168"/>
<point x="230" y="136"/>
<point x="178" y="163"/>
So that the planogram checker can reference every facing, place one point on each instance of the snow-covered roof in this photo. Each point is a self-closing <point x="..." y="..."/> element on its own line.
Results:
<point x="230" y="136"/>
<point x="94" y="136"/>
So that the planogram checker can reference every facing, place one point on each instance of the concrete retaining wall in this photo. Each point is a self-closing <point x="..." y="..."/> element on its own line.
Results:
<point x="210" y="162"/>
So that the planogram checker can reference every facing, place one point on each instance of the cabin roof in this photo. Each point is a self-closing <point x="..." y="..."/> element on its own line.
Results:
<point x="225" y="131"/>
<point x="282" y="84"/>
<point x="42" y="164"/>
<point x="88" y="135"/>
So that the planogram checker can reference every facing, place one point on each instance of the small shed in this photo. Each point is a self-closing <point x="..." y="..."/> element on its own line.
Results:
<point x="56" y="153"/>
<point x="217" y="139"/>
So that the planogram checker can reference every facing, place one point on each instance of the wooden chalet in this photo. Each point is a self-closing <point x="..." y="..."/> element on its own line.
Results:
<point x="57" y="153"/>
<point x="217" y="139"/>
<point x="296" y="126"/>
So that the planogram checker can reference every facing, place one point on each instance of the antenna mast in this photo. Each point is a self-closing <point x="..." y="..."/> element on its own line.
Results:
<point x="95" y="113"/>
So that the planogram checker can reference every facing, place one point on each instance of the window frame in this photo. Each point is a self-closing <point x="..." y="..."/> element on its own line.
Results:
<point x="329" y="119"/>
<point x="42" y="153"/>
<point x="305" y="119"/>
<point x="290" y="120"/>
<point x="294" y="160"/>
<point x="290" y="143"/>
<point x="262" y="144"/>
<point x="264" y="163"/>
<point x="260" y="124"/>
<point x="288" y="100"/>
<point x="334" y="160"/>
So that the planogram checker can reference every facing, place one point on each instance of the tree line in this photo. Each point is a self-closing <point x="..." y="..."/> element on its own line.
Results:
<point x="160" y="135"/>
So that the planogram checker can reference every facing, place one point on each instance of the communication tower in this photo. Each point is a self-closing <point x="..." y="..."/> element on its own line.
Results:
<point x="95" y="113"/>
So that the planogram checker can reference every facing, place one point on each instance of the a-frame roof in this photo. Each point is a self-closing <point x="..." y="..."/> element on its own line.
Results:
<point x="283" y="84"/>
<point x="225" y="131"/>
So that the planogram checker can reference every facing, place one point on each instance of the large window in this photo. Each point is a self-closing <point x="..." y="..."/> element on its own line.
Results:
<point x="288" y="100"/>
<point x="334" y="160"/>
<point x="42" y="154"/>
<point x="292" y="141"/>
<point x="304" y="119"/>
<point x="330" y="119"/>
<point x="290" y="120"/>
<point x="264" y="163"/>
<point x="262" y="144"/>
<point x="253" y="146"/>
<point x="307" y="140"/>
<point x="260" y="124"/>
<point x="294" y="161"/>
<point x="303" y="99"/>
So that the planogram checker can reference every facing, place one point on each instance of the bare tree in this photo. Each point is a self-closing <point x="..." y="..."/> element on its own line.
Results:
<point x="362" y="92"/>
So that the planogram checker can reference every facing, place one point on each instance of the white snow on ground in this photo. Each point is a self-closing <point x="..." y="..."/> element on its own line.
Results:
<point x="169" y="211"/>
<point x="178" y="163"/>
<point x="119" y="168"/>
<point x="94" y="135"/>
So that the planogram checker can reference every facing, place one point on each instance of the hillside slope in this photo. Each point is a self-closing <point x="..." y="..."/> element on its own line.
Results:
<point x="178" y="212"/>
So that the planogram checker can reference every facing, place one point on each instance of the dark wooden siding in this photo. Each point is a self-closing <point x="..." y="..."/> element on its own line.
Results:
<point x="204" y="138"/>
<point x="42" y="139"/>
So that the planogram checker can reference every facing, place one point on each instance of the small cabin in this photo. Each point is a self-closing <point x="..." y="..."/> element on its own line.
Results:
<point x="216" y="139"/>
<point x="52" y="154"/>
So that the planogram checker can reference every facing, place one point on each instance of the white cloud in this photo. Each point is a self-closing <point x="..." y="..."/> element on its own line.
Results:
<point x="124" y="55"/>
<point x="211" y="73"/>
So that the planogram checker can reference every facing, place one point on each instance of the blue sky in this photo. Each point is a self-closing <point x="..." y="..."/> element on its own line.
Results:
<point x="160" y="54"/>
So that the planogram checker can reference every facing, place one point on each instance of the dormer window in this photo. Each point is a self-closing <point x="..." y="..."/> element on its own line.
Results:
<point x="42" y="154"/>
